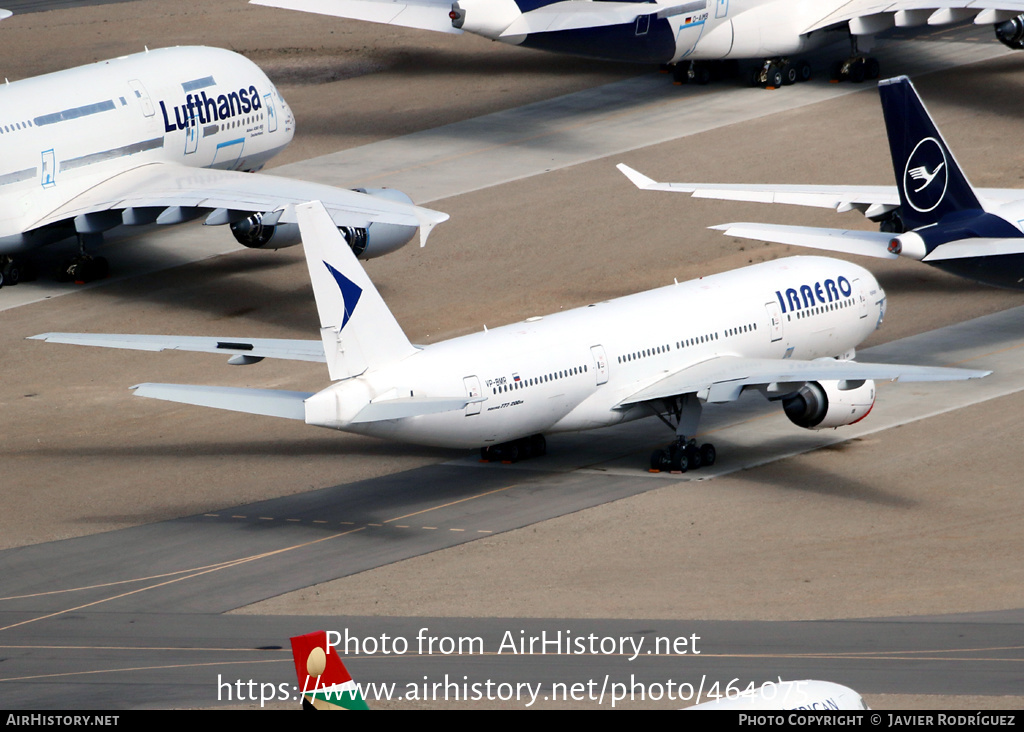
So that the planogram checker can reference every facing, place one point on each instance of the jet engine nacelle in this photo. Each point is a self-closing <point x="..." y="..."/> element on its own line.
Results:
<point x="488" y="18"/>
<point x="376" y="240"/>
<point x="819" y="405"/>
<point x="1011" y="32"/>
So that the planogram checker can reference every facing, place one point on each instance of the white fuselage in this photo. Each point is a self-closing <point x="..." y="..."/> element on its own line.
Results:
<point x="63" y="132"/>
<point x="570" y="371"/>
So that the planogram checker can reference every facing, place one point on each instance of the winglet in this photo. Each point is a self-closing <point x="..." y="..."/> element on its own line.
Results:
<point x="428" y="219"/>
<point x="325" y="682"/>
<point x="638" y="179"/>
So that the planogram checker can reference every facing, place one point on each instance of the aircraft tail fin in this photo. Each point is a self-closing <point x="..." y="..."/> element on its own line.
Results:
<point x="359" y="332"/>
<point x="930" y="181"/>
<point x="323" y="678"/>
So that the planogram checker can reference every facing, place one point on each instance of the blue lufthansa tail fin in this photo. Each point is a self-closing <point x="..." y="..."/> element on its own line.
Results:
<point x="929" y="179"/>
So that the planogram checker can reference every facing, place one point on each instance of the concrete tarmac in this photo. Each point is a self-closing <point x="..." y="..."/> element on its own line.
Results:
<point x="916" y="520"/>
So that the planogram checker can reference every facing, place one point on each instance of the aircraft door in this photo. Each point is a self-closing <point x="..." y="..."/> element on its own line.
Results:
<point x="858" y="292"/>
<point x="148" y="110"/>
<point x="722" y="8"/>
<point x="473" y="391"/>
<point x="48" y="179"/>
<point x="268" y="105"/>
<point x="774" y="320"/>
<point x="600" y="364"/>
<point x="192" y="135"/>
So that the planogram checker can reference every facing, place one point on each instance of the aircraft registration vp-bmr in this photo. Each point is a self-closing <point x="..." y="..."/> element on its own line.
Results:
<point x="933" y="214"/>
<point x="164" y="137"/>
<point x="775" y="327"/>
<point x="686" y="33"/>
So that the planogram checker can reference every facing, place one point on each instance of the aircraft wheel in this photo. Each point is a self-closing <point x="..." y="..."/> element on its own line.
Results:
<point x="693" y="457"/>
<point x="538" y="445"/>
<point x="773" y="77"/>
<point x="680" y="463"/>
<point x="708" y="454"/>
<point x="660" y="461"/>
<point x="789" y="74"/>
<point x="856" y="73"/>
<point x="11" y="274"/>
<point x="700" y="74"/>
<point x="803" y="71"/>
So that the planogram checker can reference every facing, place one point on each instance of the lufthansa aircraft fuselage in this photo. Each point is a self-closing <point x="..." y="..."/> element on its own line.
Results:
<point x="62" y="133"/>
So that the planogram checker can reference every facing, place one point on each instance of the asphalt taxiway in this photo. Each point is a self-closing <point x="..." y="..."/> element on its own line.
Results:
<point x="132" y="527"/>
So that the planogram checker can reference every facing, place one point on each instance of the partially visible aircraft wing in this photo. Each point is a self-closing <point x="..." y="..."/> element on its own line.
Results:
<point x="871" y="200"/>
<point x="424" y="14"/>
<point x="722" y="379"/>
<point x="841" y="198"/>
<point x="227" y="193"/>
<point x="255" y="348"/>
<point x="846" y="241"/>
<point x="866" y="17"/>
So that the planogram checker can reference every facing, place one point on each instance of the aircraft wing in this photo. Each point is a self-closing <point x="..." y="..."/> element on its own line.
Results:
<point x="723" y="378"/>
<point x="866" y="17"/>
<point x="424" y="14"/>
<point x="229" y="194"/>
<point x="5" y="14"/>
<point x="251" y="347"/>
<point x="841" y="198"/>
<point x="846" y="241"/>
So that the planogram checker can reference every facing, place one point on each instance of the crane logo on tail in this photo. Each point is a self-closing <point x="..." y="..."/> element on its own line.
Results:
<point x="926" y="176"/>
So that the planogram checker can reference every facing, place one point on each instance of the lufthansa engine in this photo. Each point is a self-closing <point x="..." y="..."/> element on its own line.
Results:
<point x="819" y="405"/>
<point x="1011" y="32"/>
<point x="261" y="231"/>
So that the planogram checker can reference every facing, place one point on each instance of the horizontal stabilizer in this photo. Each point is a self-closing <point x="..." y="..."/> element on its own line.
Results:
<point x="412" y="407"/>
<point x="968" y="248"/>
<point x="294" y="350"/>
<point x="722" y="379"/>
<point x="865" y="243"/>
<point x="422" y="14"/>
<point x="267" y="402"/>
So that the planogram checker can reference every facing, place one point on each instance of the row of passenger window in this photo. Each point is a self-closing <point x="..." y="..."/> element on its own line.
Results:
<point x="686" y="343"/>
<point x="518" y="383"/>
<point x="819" y="309"/>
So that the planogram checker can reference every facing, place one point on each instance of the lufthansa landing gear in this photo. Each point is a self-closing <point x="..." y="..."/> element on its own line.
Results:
<point x="516" y="450"/>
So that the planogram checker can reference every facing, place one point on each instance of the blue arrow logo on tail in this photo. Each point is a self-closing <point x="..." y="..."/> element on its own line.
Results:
<point x="350" y="293"/>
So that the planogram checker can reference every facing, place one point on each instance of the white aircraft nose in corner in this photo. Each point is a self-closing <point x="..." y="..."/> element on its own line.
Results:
<point x="120" y="142"/>
<point x="808" y="695"/>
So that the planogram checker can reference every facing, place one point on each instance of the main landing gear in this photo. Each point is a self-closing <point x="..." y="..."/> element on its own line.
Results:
<point x="856" y="69"/>
<point x="516" y="450"/>
<point x="682" y="455"/>
<point x="84" y="267"/>
<point x="682" y="414"/>
<point x="14" y="270"/>
<point x="776" y="72"/>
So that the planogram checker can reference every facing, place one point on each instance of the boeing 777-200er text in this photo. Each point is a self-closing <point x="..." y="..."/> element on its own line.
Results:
<point x="786" y="328"/>
<point x="690" y="35"/>
<point x="164" y="137"/>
